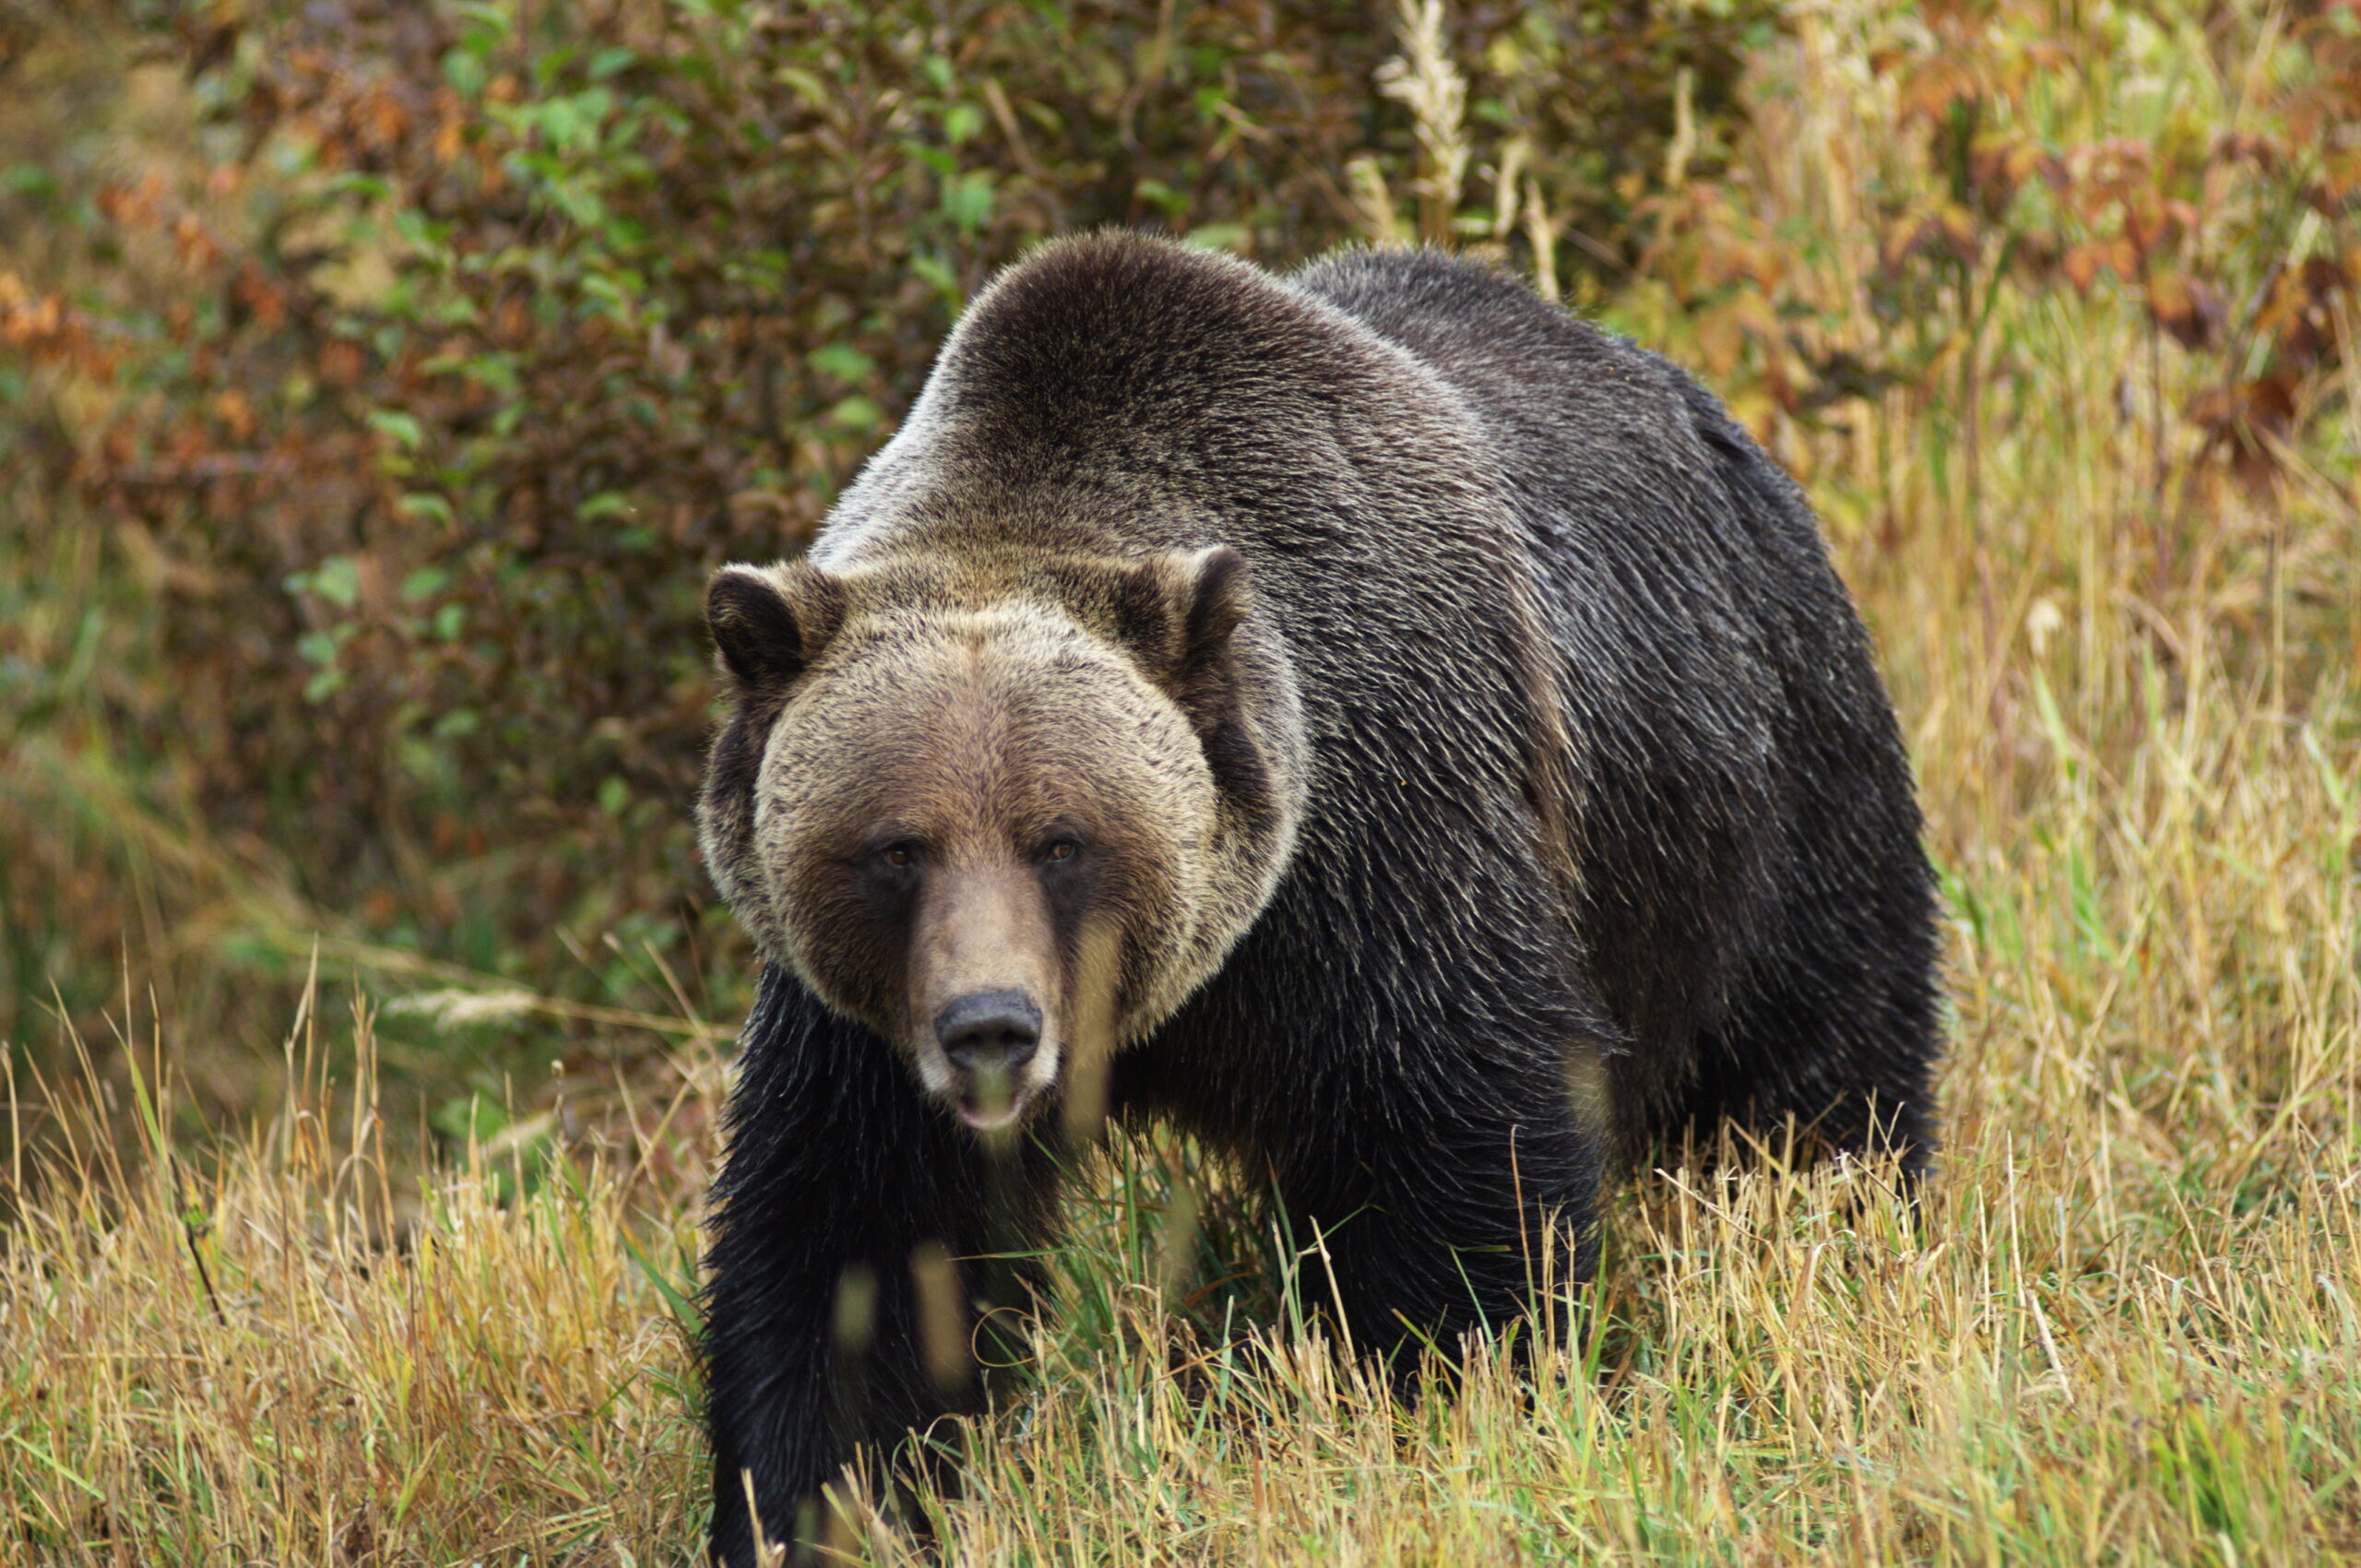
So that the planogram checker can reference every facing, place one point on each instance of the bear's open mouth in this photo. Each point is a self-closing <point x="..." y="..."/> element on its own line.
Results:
<point x="987" y="1116"/>
<point x="989" y="1100"/>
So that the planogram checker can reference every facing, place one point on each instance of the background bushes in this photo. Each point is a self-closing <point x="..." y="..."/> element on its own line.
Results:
<point x="386" y="379"/>
<point x="380" y="382"/>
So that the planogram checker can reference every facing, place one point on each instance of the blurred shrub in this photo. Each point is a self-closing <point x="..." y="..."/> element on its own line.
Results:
<point x="424" y="387"/>
<point x="1983" y="159"/>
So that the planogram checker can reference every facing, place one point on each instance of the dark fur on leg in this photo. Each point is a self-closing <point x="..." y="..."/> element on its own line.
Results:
<point x="838" y="1174"/>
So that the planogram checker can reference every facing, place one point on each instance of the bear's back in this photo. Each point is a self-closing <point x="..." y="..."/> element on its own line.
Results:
<point x="1589" y="429"/>
<point x="1121" y="391"/>
<point x="1720" y="696"/>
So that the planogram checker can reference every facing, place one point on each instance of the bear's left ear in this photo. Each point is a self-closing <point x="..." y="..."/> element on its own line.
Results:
<point x="1179" y="611"/>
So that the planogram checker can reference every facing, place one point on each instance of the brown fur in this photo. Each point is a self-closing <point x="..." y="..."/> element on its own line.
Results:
<point x="1479" y="773"/>
<point x="969" y="709"/>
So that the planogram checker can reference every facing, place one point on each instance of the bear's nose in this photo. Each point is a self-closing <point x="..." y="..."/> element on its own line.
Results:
<point x="989" y="1030"/>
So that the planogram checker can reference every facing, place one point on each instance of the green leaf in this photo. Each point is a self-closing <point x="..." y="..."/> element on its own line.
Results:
<point x="338" y="580"/>
<point x="425" y="504"/>
<point x="368" y="187"/>
<point x="489" y="23"/>
<point x="844" y="362"/>
<point x="1174" y="204"/>
<point x="587" y="208"/>
<point x="856" y="412"/>
<point x="938" y="272"/>
<point x="560" y="121"/>
<point x="967" y="200"/>
<point x="606" y="504"/>
<point x="807" y="86"/>
<point x="936" y="159"/>
<point x="680" y="1297"/>
<point x="961" y="121"/>
<point x="474" y="1117"/>
<point x="29" y="180"/>
<point x="1221" y="237"/>
<point x="464" y="71"/>
<point x="425" y="583"/>
<point x="402" y="429"/>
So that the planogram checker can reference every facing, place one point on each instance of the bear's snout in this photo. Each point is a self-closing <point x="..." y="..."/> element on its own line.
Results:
<point x="987" y="1031"/>
<point x="986" y="1011"/>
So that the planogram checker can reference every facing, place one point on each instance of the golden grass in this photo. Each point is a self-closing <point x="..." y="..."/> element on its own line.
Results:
<point x="277" y="1356"/>
<point x="2123" y="1325"/>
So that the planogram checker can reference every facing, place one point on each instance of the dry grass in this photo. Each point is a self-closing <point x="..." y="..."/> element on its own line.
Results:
<point x="2123" y="1325"/>
<point x="272" y="1353"/>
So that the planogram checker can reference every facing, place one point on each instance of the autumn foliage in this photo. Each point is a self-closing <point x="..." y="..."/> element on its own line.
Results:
<point x="456" y="344"/>
<point x="405" y="373"/>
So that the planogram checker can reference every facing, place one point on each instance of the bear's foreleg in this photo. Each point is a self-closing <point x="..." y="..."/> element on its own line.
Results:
<point x="1469" y="1211"/>
<point x="839" y="1308"/>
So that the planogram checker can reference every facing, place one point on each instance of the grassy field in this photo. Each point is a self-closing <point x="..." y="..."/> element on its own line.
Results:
<point x="2124" y="1324"/>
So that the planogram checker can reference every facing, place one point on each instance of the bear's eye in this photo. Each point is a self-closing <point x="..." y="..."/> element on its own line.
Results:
<point x="1062" y="850"/>
<point x="898" y="855"/>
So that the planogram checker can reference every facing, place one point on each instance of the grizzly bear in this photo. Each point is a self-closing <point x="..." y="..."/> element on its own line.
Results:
<point x="1403" y="736"/>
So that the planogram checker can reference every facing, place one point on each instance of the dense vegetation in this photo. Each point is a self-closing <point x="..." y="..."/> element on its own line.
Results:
<point x="394" y="376"/>
<point x="379" y="382"/>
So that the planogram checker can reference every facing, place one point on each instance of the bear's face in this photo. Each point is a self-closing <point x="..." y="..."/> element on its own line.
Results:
<point x="989" y="829"/>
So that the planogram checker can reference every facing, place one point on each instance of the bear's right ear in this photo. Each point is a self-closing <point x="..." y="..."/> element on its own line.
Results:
<point x="770" y="622"/>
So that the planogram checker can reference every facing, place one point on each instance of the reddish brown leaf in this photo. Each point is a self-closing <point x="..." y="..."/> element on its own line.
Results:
<point x="2082" y="265"/>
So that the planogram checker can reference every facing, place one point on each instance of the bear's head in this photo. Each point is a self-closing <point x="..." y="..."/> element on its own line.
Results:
<point x="1008" y="822"/>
